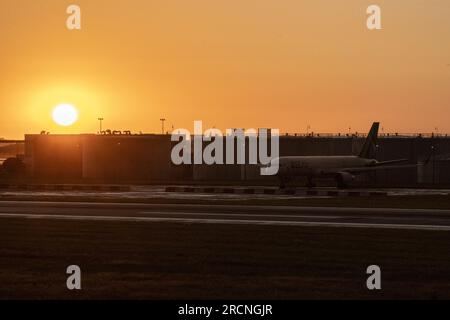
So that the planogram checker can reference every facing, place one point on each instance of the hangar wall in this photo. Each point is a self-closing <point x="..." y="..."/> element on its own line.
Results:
<point x="146" y="159"/>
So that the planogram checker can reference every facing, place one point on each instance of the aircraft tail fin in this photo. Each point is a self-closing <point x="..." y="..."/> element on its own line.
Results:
<point x="368" y="149"/>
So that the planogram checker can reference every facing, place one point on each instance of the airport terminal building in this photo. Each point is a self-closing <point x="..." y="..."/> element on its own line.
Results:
<point x="146" y="158"/>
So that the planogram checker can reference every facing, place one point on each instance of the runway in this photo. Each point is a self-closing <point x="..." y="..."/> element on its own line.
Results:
<point x="186" y="251"/>
<point x="337" y="217"/>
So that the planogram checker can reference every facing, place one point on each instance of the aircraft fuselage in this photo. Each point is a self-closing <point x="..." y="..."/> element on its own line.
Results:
<point x="313" y="166"/>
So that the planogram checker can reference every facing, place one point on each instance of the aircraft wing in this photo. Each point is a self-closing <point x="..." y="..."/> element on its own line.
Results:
<point x="385" y="165"/>
<point x="377" y="168"/>
<point x="382" y="163"/>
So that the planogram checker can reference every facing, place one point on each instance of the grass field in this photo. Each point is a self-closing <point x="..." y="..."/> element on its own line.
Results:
<point x="171" y="261"/>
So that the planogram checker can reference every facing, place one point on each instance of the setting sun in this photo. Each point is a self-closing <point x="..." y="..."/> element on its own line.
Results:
<point x="65" y="115"/>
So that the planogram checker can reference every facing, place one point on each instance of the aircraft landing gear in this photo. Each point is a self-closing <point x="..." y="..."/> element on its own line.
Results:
<point x="310" y="184"/>
<point x="282" y="183"/>
<point x="341" y="183"/>
<point x="342" y="186"/>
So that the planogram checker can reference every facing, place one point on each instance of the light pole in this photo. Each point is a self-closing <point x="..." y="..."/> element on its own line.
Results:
<point x="100" y="120"/>
<point x="434" y="164"/>
<point x="162" y="124"/>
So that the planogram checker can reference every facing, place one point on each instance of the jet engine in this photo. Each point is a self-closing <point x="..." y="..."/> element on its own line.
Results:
<point x="344" y="178"/>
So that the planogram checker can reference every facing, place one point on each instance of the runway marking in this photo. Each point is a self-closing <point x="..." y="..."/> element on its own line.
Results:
<point x="244" y="215"/>
<point x="230" y="221"/>
<point x="298" y="209"/>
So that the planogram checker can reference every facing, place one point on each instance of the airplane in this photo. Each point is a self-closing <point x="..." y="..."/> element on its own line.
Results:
<point x="342" y="169"/>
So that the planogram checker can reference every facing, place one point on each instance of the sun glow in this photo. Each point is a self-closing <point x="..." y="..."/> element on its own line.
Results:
<point x="65" y="115"/>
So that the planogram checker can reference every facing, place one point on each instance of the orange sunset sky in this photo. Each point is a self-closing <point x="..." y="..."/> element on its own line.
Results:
<point x="283" y="64"/>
